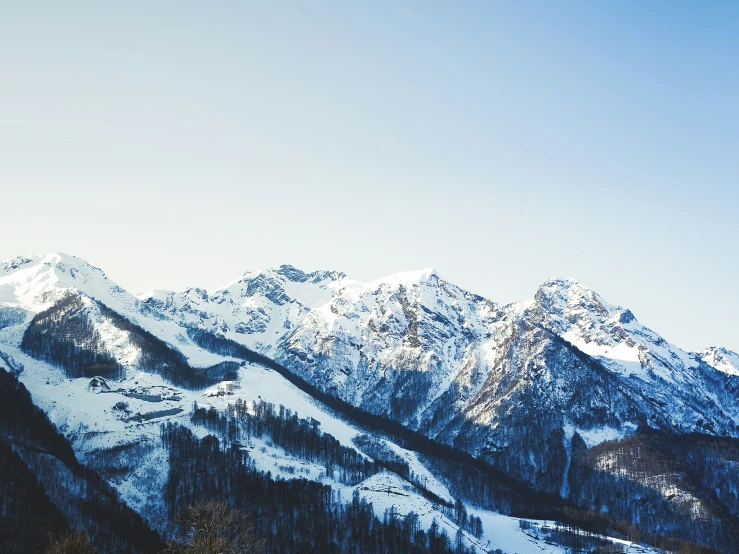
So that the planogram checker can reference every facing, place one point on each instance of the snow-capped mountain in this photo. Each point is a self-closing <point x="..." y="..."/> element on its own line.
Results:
<point x="525" y="387"/>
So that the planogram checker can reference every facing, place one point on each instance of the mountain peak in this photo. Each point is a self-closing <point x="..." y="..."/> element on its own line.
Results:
<point x="52" y="259"/>
<point x="291" y="273"/>
<point x="561" y="282"/>
<point x="557" y="294"/>
<point x="571" y="286"/>
<point x="34" y="283"/>
<point x="409" y="278"/>
<point x="721" y="358"/>
<point x="581" y="315"/>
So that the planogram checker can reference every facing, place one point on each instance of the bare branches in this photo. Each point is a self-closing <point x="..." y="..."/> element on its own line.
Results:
<point x="74" y="542"/>
<point x="212" y="527"/>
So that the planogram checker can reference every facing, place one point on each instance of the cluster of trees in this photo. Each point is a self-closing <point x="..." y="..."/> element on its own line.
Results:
<point x="634" y="480"/>
<point x="73" y="542"/>
<point x="300" y="437"/>
<point x="569" y="537"/>
<point x="304" y="439"/>
<point x="210" y="527"/>
<point x="10" y="315"/>
<point x="27" y="516"/>
<point x="64" y="336"/>
<point x="467" y="522"/>
<point x="290" y="516"/>
<point x="712" y="462"/>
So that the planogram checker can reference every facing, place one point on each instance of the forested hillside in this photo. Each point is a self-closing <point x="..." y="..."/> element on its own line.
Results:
<point x="45" y="491"/>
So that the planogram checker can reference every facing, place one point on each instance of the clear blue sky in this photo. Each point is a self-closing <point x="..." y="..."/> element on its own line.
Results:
<point x="177" y="143"/>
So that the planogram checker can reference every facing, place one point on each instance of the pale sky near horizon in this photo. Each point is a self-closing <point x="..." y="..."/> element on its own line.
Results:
<point x="181" y="143"/>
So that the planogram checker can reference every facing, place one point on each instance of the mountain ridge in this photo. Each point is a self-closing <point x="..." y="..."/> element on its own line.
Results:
<point x="63" y="260"/>
<point x="357" y="340"/>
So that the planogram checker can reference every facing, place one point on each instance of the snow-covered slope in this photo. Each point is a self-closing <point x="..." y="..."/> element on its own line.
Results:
<point x="35" y="283"/>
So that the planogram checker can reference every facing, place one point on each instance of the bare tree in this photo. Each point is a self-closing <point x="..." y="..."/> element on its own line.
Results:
<point x="212" y="527"/>
<point x="74" y="542"/>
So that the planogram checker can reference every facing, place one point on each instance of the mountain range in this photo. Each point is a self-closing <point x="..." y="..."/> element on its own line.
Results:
<point x="566" y="393"/>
